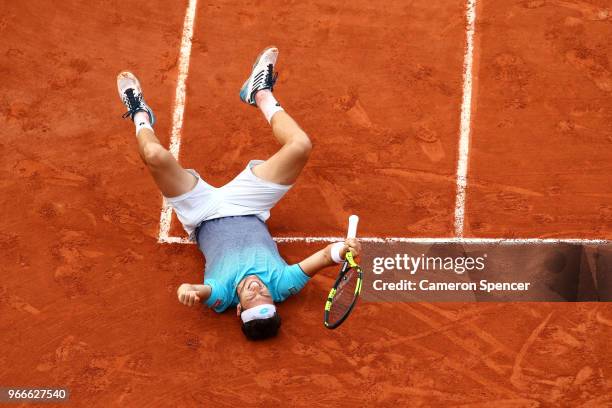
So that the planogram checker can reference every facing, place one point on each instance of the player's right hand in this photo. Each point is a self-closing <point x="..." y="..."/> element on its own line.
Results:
<point x="353" y="245"/>
<point x="187" y="296"/>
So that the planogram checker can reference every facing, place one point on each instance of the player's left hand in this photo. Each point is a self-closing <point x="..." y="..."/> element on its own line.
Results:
<point x="187" y="296"/>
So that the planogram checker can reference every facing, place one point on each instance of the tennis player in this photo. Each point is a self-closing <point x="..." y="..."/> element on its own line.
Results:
<point x="243" y="266"/>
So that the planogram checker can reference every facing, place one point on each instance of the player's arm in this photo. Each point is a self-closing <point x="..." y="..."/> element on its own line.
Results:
<point x="323" y="258"/>
<point x="190" y="295"/>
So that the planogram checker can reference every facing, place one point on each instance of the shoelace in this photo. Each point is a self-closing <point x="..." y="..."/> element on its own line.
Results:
<point x="264" y="80"/>
<point x="133" y="102"/>
<point x="270" y="77"/>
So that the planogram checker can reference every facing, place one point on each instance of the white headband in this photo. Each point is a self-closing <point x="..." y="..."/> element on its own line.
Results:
<point x="258" y="312"/>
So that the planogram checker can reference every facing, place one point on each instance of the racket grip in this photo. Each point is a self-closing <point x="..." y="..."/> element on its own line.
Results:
<point x="352" y="227"/>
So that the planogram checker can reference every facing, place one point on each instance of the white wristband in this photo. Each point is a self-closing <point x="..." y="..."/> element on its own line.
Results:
<point x="336" y="250"/>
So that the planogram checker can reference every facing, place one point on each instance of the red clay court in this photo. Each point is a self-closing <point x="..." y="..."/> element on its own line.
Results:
<point x="450" y="119"/>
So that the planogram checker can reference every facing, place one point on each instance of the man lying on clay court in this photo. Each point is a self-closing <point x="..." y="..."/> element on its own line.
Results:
<point x="243" y="266"/>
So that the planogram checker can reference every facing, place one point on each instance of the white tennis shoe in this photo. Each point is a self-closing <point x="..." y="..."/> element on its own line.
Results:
<point x="130" y="93"/>
<point x="262" y="75"/>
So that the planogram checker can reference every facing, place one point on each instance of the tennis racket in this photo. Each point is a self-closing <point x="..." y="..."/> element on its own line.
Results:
<point x="343" y="296"/>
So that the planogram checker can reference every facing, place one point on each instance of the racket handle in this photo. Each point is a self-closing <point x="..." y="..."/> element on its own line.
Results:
<point x="352" y="227"/>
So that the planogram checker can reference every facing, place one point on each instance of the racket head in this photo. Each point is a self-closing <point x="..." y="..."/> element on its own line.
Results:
<point x="343" y="295"/>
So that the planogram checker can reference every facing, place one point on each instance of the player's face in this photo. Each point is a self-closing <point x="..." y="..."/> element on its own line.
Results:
<point x="252" y="292"/>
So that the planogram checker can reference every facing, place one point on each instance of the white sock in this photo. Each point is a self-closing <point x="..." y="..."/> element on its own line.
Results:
<point x="267" y="103"/>
<point x="141" y="120"/>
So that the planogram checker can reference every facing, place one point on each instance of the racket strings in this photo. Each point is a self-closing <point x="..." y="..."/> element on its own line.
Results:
<point x="345" y="295"/>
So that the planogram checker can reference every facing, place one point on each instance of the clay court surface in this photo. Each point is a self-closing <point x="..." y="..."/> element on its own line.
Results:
<point x="87" y="295"/>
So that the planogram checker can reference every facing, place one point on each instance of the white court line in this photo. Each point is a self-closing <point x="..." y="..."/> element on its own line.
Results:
<point x="466" y="114"/>
<point x="452" y="240"/>
<point x="179" y="109"/>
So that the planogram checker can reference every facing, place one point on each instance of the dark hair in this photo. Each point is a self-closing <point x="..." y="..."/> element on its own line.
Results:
<point x="261" y="329"/>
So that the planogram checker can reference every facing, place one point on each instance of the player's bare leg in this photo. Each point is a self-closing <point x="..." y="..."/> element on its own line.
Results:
<point x="285" y="165"/>
<point x="168" y="174"/>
